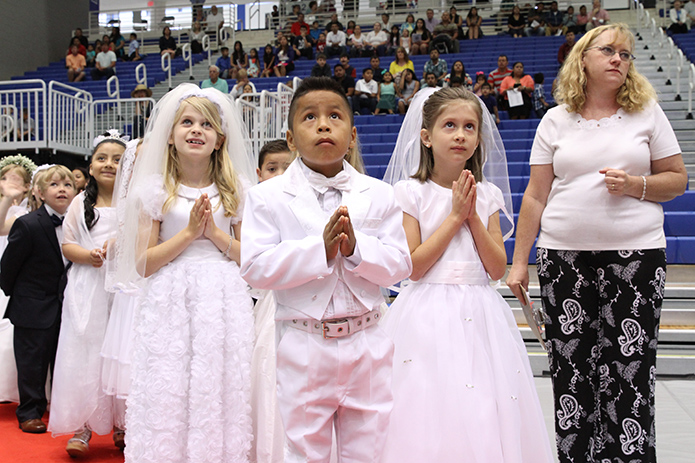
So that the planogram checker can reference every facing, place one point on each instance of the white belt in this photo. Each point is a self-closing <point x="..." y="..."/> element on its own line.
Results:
<point x="339" y="327"/>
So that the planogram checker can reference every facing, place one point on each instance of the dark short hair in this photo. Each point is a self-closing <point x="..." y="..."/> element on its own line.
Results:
<point x="133" y="34"/>
<point x="321" y="55"/>
<point x="429" y="73"/>
<point x="345" y="55"/>
<point x="316" y="84"/>
<point x="486" y="84"/>
<point x="367" y="69"/>
<point x="273" y="146"/>
<point x="338" y="66"/>
<point x="538" y="78"/>
<point x="224" y="48"/>
<point x="302" y="27"/>
<point x="455" y="80"/>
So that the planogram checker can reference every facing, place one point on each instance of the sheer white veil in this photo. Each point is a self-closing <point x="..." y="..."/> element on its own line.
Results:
<point x="405" y="159"/>
<point x="139" y="199"/>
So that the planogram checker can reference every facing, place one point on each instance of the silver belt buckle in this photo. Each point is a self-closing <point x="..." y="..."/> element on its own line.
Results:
<point x="340" y="326"/>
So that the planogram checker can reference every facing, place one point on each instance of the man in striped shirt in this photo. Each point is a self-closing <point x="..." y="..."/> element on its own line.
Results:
<point x="496" y="77"/>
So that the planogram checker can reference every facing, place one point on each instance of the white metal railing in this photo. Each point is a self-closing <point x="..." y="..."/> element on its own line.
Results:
<point x="166" y="66"/>
<point x="669" y="59"/>
<point x="69" y="127"/>
<point x="680" y="60"/>
<point x="206" y="48"/>
<point x="187" y="56"/>
<point x="691" y="86"/>
<point x="18" y="98"/>
<point x="141" y="74"/>
<point x="130" y="117"/>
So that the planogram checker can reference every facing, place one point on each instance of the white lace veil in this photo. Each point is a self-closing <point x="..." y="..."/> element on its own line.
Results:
<point x="405" y="159"/>
<point x="146" y="181"/>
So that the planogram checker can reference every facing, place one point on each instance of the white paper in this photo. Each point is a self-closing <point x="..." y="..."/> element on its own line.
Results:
<point x="515" y="98"/>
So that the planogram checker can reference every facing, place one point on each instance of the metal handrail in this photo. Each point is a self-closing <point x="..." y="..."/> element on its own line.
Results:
<point x="691" y="86"/>
<point x="669" y="58"/>
<point x="114" y="93"/>
<point x="680" y="59"/>
<point x="141" y="74"/>
<point x="206" y="48"/>
<point x="166" y="66"/>
<point x="188" y="56"/>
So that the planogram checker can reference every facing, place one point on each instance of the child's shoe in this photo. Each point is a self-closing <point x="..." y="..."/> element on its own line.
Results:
<point x="78" y="445"/>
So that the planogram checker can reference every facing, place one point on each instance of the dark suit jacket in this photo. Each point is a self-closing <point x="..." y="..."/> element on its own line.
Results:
<point x="32" y="272"/>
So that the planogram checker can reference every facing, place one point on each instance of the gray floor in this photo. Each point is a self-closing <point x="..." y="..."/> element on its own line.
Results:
<point x="675" y="418"/>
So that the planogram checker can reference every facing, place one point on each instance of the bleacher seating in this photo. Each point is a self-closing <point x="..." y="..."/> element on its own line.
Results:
<point x="686" y="42"/>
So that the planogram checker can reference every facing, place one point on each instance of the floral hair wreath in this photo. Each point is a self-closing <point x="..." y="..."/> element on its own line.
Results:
<point x="18" y="160"/>
<point x="113" y="134"/>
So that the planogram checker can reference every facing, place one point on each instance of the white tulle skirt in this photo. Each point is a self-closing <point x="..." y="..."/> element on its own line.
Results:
<point x="8" y="367"/>
<point x="462" y="382"/>
<point x="189" y="399"/>
<point x="118" y="343"/>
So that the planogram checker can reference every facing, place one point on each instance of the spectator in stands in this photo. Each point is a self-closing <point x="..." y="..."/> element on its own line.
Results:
<point x="291" y="18"/>
<point x="321" y="69"/>
<point x="345" y="81"/>
<point x="490" y="101"/>
<point x="75" y="63"/>
<point x="107" y="40"/>
<point x="377" y="40"/>
<point x="133" y="48"/>
<point x="535" y="24"/>
<point x="254" y="69"/>
<point x="334" y="20"/>
<point x="312" y="9"/>
<point x="385" y="22"/>
<point x="196" y="35"/>
<point x="436" y="66"/>
<point x="401" y="63"/>
<point x="540" y="106"/>
<point x="315" y="30"/>
<point x="104" y="64"/>
<point x="553" y="20"/>
<point x="142" y="110"/>
<point x="336" y="41"/>
<point x="521" y="83"/>
<point x="582" y="20"/>
<point x="303" y="44"/>
<point x="516" y="22"/>
<point x="420" y="38"/>
<point x="214" y="20"/>
<point x="446" y="33"/>
<point x="566" y="47"/>
<point x="456" y="19"/>
<point x="321" y="43"/>
<point x="386" y="95"/>
<point x="214" y="81"/>
<point x="26" y="128"/>
<point x="268" y="61"/>
<point x="91" y="55"/>
<point x="601" y="249"/>
<point x="569" y="20"/>
<point x="224" y="64"/>
<point x="431" y="80"/>
<point x="118" y="42"/>
<point x="497" y="76"/>
<point x="678" y="16"/>
<point x="474" y="21"/>
<point x="356" y="42"/>
<point x="459" y="70"/>
<point x="407" y="88"/>
<point x="350" y="28"/>
<point x="394" y="40"/>
<point x="345" y="62"/>
<point x="83" y="40"/>
<point x="242" y="81"/>
<point x="284" y="58"/>
<point x="690" y="11"/>
<point x="480" y="79"/>
<point x="409" y="24"/>
<point x="377" y="71"/>
<point x="278" y="36"/>
<point x="239" y="58"/>
<point x="297" y="25"/>
<point x="167" y="44"/>
<point x="80" y="48"/>
<point x="365" y="96"/>
<point x="431" y="22"/>
<point x="599" y="16"/>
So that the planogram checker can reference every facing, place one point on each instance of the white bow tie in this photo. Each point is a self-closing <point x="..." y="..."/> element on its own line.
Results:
<point x="322" y="183"/>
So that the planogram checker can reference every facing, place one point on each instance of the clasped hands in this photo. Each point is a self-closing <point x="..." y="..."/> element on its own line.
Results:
<point x="200" y="221"/>
<point x="338" y="235"/>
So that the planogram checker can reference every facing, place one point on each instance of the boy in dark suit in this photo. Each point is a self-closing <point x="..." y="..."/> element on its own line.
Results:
<point x="32" y="274"/>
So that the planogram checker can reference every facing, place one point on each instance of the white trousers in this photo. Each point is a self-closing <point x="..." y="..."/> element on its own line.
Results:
<point x="342" y="381"/>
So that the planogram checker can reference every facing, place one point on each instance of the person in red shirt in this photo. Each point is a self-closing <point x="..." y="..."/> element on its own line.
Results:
<point x="565" y="48"/>
<point x="296" y="26"/>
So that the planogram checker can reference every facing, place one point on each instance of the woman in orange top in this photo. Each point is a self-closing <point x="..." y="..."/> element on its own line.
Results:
<point x="522" y="82"/>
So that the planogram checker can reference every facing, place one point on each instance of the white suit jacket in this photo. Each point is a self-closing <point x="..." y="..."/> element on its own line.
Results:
<point x="282" y="244"/>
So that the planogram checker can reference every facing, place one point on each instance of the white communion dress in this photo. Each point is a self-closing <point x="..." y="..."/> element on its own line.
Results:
<point x="191" y="352"/>
<point x="462" y="383"/>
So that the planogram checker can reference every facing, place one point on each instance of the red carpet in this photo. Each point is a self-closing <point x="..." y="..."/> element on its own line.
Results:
<point x="20" y="447"/>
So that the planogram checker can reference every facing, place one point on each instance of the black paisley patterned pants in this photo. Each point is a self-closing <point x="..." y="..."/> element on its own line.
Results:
<point x="603" y="310"/>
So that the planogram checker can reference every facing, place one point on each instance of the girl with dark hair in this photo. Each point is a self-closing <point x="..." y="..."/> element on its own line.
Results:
<point x="239" y="57"/>
<point x="78" y="403"/>
<point x="474" y="21"/>
<point x="268" y="61"/>
<point x="81" y="176"/>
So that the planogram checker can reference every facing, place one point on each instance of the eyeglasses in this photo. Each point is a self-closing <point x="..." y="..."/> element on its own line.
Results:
<point x="609" y="51"/>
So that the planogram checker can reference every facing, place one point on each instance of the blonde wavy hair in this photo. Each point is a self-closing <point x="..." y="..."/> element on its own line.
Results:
<point x="220" y="169"/>
<point x="632" y="96"/>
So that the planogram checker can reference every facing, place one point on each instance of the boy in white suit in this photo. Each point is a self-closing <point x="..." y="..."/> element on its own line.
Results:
<point x="326" y="237"/>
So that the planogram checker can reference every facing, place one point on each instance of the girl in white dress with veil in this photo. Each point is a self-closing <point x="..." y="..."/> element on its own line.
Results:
<point x="462" y="384"/>
<point x="193" y="326"/>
